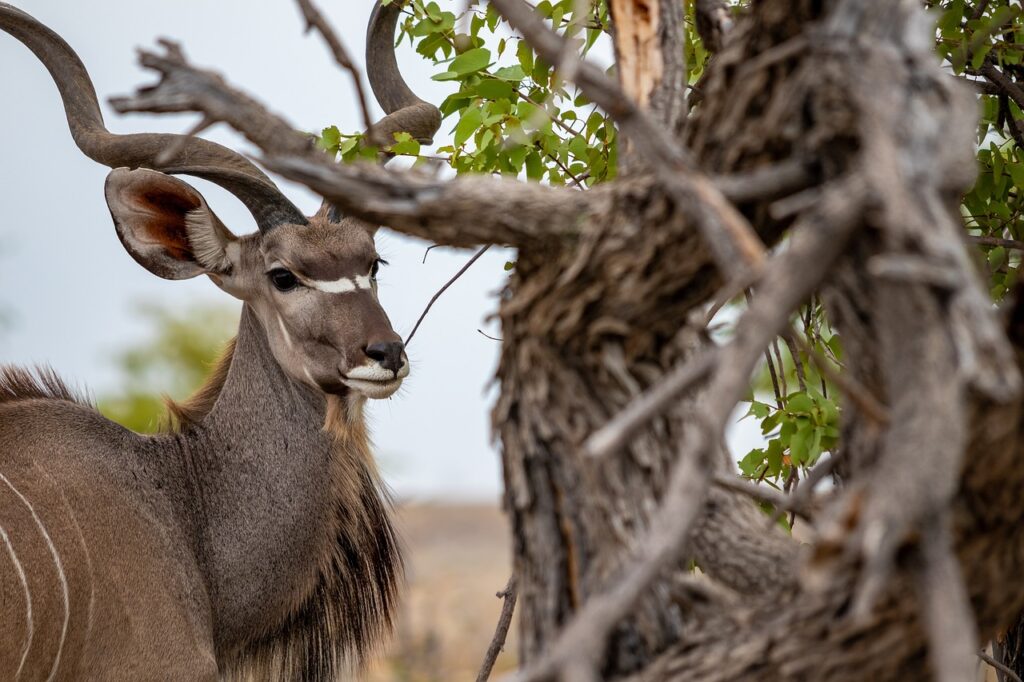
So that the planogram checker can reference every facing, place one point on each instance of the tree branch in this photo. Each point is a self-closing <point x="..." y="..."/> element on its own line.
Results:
<point x="736" y="248"/>
<point x="469" y="263"/>
<point x="316" y="20"/>
<point x="501" y="631"/>
<point x="465" y="212"/>
<point x="790" y="277"/>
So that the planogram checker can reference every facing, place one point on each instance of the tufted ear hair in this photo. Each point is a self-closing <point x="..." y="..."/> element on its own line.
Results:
<point x="166" y="225"/>
<point x="332" y="214"/>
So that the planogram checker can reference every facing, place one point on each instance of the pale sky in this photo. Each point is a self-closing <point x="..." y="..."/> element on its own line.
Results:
<point x="72" y="289"/>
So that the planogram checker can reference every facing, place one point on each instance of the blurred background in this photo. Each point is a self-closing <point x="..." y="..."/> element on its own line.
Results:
<point x="71" y="298"/>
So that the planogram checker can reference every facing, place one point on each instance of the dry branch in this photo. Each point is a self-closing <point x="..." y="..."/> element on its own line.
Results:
<point x="508" y="607"/>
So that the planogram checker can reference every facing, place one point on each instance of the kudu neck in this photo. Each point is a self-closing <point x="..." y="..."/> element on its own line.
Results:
<point x="257" y="388"/>
<point x="268" y="505"/>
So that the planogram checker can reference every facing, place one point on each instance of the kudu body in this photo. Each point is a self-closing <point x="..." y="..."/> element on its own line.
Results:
<point x="253" y="539"/>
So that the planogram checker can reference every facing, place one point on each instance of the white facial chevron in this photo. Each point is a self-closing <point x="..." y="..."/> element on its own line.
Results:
<point x="341" y="286"/>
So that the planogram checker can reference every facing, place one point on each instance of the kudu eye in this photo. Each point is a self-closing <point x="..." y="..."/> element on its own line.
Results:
<point x="375" y="268"/>
<point x="283" y="280"/>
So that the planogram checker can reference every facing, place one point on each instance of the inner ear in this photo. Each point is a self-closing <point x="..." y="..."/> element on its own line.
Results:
<point x="166" y="225"/>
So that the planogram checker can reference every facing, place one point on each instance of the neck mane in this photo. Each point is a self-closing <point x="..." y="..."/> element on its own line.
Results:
<point x="314" y="531"/>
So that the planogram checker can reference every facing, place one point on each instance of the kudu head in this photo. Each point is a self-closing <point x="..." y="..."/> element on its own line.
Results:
<point x="310" y="281"/>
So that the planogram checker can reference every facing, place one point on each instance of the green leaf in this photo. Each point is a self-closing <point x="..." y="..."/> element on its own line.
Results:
<point x="759" y="410"/>
<point x="534" y="166"/>
<point x="996" y="257"/>
<point x="467" y="125"/>
<point x="751" y="462"/>
<point x="774" y="458"/>
<point x="1016" y="171"/>
<point x="471" y="61"/>
<point x="495" y="89"/>
<point x="329" y="138"/>
<point x="524" y="53"/>
<point x="800" y="403"/>
<point x="799" y="444"/>
<point x="513" y="74"/>
<point x="405" y="145"/>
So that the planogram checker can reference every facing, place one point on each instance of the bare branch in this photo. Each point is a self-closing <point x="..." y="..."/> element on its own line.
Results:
<point x="465" y="212"/>
<point x="790" y="277"/>
<point x="445" y="212"/>
<point x="736" y="248"/>
<point x="763" y="493"/>
<point x="316" y="20"/>
<point x="770" y="182"/>
<point x="440" y="291"/>
<point x="945" y="605"/>
<point x="501" y="631"/>
<point x="1015" y="244"/>
<point x="618" y="430"/>
<point x="1001" y="667"/>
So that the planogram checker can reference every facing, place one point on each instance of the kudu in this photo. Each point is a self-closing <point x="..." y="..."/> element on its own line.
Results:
<point x="253" y="539"/>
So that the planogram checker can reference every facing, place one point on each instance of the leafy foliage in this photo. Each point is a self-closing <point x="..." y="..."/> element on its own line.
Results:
<point x="972" y="42"/>
<point x="511" y="114"/>
<point x="174" y="360"/>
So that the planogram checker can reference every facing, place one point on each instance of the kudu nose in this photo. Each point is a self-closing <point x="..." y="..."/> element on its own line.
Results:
<point x="389" y="355"/>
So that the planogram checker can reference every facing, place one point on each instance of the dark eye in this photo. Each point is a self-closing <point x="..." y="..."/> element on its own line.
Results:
<point x="375" y="268"/>
<point x="282" y="279"/>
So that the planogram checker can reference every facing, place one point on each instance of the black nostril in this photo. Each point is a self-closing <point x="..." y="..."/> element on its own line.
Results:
<point x="389" y="355"/>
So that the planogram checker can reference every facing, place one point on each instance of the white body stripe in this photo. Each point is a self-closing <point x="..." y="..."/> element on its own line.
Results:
<point x="342" y="285"/>
<point x="28" y="599"/>
<point x="60" y="574"/>
<point x="85" y="545"/>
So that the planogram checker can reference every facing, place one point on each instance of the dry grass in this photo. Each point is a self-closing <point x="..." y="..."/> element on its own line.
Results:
<point x="458" y="557"/>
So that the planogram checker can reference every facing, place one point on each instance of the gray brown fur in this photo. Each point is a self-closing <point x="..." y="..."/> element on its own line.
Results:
<point x="253" y="538"/>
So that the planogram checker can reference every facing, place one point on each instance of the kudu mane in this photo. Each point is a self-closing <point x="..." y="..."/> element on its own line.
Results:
<point x="353" y="600"/>
<point x="43" y="383"/>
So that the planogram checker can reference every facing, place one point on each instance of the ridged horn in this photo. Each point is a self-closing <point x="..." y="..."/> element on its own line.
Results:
<point x="194" y="156"/>
<point x="406" y="112"/>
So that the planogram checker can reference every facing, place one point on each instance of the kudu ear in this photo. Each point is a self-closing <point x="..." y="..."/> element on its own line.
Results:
<point x="166" y="225"/>
<point x="333" y="214"/>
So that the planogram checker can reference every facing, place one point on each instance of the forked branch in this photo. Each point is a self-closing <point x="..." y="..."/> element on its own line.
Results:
<point x="790" y="277"/>
<point x="463" y="212"/>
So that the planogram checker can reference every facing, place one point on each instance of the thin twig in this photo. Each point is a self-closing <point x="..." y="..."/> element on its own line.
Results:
<point x="427" y="252"/>
<point x="612" y="435"/>
<point x="997" y="241"/>
<point x="440" y="291"/>
<point x="855" y="391"/>
<point x="481" y="332"/>
<point x="781" y="501"/>
<point x="798" y="366"/>
<point x="1001" y="667"/>
<point x="501" y="631"/>
<point x="316" y="20"/>
<point x="801" y="497"/>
